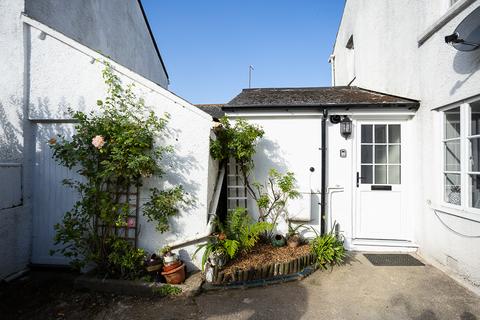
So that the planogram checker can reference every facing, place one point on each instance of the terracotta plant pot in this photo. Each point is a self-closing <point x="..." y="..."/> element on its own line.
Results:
<point x="170" y="266"/>
<point x="175" y="276"/>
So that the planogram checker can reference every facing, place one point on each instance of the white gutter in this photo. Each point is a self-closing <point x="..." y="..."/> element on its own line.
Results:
<point x="211" y="216"/>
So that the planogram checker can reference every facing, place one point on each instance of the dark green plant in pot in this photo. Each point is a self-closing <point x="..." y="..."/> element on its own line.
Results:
<point x="328" y="249"/>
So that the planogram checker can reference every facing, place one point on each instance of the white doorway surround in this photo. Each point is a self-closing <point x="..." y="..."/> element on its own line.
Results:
<point x="380" y="220"/>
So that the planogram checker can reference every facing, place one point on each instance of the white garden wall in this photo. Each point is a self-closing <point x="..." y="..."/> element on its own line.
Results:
<point x="60" y="74"/>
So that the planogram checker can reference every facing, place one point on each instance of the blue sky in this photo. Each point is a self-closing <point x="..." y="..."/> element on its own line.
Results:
<point x="208" y="45"/>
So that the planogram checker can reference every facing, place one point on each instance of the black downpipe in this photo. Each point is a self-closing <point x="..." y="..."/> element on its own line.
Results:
<point x="323" y="187"/>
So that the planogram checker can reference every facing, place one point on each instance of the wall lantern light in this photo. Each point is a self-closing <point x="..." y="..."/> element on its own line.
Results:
<point x="346" y="127"/>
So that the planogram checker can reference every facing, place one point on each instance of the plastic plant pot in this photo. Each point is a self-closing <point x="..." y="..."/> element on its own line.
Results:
<point x="278" y="240"/>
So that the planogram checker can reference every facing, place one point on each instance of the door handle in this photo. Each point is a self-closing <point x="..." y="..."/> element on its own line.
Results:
<point x="358" y="179"/>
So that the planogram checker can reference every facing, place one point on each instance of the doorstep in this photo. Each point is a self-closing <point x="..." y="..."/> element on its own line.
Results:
<point x="191" y="286"/>
<point x="373" y="245"/>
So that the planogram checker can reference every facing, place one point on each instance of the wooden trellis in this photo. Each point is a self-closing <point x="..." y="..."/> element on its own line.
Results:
<point x="130" y="230"/>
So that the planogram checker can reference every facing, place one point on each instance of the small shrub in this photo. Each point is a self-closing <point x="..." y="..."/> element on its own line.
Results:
<point x="328" y="249"/>
<point x="241" y="227"/>
<point x="166" y="290"/>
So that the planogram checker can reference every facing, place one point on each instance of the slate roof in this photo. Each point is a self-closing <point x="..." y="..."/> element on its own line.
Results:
<point x="215" y="110"/>
<point x="316" y="97"/>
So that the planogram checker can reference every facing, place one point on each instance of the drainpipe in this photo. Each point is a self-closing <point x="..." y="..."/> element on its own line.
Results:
<point x="323" y="187"/>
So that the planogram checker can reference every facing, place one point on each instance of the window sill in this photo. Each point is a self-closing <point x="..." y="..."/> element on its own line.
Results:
<point x="470" y="214"/>
<point x="449" y="15"/>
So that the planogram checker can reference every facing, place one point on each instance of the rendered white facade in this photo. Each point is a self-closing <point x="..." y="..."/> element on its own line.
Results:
<point x="399" y="49"/>
<point x="44" y="73"/>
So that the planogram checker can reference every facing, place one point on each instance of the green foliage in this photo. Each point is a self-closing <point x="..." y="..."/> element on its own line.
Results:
<point x="236" y="141"/>
<point x="164" y="204"/>
<point x="241" y="227"/>
<point x="328" y="249"/>
<point x="294" y="230"/>
<point x="218" y="244"/>
<point x="113" y="149"/>
<point x="166" y="290"/>
<point x="239" y="234"/>
<point x="272" y="196"/>
<point x="125" y="261"/>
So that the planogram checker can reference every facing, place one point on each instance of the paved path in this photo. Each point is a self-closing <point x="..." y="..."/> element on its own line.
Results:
<point x="357" y="290"/>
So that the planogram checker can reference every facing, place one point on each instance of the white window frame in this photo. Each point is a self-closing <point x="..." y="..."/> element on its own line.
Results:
<point x="465" y="157"/>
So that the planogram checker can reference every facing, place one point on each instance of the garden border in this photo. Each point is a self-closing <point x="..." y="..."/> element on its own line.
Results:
<point x="295" y="269"/>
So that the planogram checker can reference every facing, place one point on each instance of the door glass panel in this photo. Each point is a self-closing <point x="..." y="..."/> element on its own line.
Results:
<point x="394" y="154"/>
<point x="452" y="123"/>
<point x="452" y="188"/>
<point x="380" y="133"/>
<point x="394" y="133"/>
<point x="380" y="153"/>
<point x="367" y="174"/>
<point x="383" y="150"/>
<point x="475" y="118"/>
<point x="367" y="151"/>
<point x="452" y="155"/>
<point x="367" y="135"/>
<point x="394" y="173"/>
<point x="475" y="187"/>
<point x="380" y="174"/>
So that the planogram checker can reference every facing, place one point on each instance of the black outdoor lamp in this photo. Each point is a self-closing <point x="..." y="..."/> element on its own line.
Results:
<point x="346" y="127"/>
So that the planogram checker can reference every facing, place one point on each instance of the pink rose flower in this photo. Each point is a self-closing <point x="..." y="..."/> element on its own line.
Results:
<point x="131" y="222"/>
<point x="98" y="142"/>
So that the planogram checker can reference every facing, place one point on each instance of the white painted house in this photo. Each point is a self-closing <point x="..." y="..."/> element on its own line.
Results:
<point x="407" y="178"/>
<point x="48" y="51"/>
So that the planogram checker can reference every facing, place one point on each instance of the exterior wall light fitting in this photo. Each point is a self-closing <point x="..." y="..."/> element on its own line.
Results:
<point x="346" y="127"/>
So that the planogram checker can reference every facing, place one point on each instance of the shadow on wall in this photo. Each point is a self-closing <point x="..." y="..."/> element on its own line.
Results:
<point x="11" y="147"/>
<point x="465" y="63"/>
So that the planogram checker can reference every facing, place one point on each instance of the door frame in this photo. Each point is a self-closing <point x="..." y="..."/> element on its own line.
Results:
<point x="406" y="128"/>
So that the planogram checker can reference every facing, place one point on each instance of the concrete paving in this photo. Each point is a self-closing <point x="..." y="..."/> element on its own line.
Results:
<point x="357" y="290"/>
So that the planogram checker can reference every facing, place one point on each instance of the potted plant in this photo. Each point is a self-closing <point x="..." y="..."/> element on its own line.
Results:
<point x="170" y="259"/>
<point x="293" y="236"/>
<point x="217" y="250"/>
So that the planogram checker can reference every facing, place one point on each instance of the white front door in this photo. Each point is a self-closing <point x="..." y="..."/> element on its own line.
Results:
<point x="380" y="210"/>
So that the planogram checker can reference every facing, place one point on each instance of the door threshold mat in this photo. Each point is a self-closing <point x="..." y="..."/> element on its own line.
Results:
<point x="393" y="260"/>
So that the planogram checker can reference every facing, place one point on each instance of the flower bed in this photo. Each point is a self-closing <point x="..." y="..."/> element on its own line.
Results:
<point x="262" y="263"/>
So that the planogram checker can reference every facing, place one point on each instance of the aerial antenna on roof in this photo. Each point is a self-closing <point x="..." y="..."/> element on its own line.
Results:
<point x="250" y="69"/>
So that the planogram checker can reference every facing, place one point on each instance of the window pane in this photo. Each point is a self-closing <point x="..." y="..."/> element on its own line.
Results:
<point x="394" y="133"/>
<point x="380" y="154"/>
<point x="475" y="187"/>
<point x="381" y="174"/>
<point x="452" y="123"/>
<point x="381" y="133"/>
<point x="475" y="118"/>
<point x="452" y="155"/>
<point x="366" y="174"/>
<point x="452" y="188"/>
<point x="367" y="151"/>
<point x="475" y="154"/>
<point x="367" y="135"/>
<point x="394" y="174"/>
<point x="394" y="154"/>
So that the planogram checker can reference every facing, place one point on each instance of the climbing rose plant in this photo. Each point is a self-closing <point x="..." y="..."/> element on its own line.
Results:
<point x="113" y="149"/>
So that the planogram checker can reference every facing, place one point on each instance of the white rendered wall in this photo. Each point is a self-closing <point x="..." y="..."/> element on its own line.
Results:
<point x="15" y="226"/>
<point x="389" y="59"/>
<point x="60" y="75"/>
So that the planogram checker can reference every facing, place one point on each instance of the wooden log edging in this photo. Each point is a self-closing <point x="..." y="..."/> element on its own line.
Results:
<point x="273" y="273"/>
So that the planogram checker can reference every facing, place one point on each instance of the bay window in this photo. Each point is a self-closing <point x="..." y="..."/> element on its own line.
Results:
<point x="461" y="155"/>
